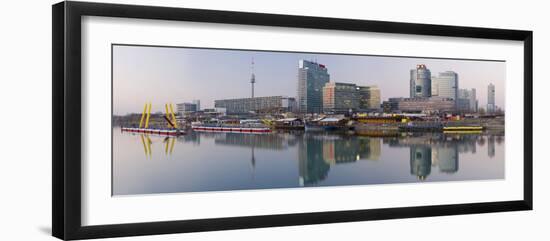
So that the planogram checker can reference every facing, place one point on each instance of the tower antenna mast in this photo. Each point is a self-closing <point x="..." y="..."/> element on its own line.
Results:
<point x="252" y="77"/>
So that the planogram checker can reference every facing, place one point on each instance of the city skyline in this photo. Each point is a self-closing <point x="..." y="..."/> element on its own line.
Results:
<point x="167" y="74"/>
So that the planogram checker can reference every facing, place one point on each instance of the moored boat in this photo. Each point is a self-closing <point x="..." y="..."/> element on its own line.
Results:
<point x="245" y="126"/>
<point x="463" y="129"/>
<point x="228" y="128"/>
<point x="439" y="127"/>
<point x="162" y="132"/>
<point x="289" y="124"/>
<point x="328" y="124"/>
<point x="422" y="126"/>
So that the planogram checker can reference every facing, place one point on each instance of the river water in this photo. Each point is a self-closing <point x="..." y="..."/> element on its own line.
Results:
<point x="196" y="162"/>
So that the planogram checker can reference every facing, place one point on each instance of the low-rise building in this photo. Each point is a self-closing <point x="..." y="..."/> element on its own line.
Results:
<point x="343" y="98"/>
<point x="463" y="105"/>
<point x="340" y="97"/>
<point x="185" y="108"/>
<point x="391" y="105"/>
<point x="369" y="98"/>
<point x="420" y="105"/>
<point x="266" y="104"/>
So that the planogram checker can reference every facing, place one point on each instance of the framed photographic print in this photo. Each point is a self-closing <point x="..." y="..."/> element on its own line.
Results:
<point x="170" y="120"/>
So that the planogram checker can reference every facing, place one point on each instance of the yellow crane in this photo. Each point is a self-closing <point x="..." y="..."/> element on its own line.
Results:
<point x="170" y="116"/>
<point x="173" y="116"/>
<point x="145" y="115"/>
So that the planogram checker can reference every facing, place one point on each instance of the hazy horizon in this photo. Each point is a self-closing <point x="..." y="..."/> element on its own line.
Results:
<point x="168" y="74"/>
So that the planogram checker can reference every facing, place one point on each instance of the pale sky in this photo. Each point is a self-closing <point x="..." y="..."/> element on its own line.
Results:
<point x="166" y="74"/>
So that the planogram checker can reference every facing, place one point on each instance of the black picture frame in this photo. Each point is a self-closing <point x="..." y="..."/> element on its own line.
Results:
<point x="66" y="127"/>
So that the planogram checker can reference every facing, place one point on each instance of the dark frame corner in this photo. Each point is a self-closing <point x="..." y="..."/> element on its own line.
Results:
<point x="66" y="87"/>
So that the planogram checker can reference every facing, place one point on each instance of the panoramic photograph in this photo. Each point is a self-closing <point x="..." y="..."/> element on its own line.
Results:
<point x="202" y="119"/>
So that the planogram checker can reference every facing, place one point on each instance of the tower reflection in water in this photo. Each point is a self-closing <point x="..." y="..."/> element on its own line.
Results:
<point x="423" y="158"/>
<point x="318" y="152"/>
<point x="440" y="150"/>
<point x="421" y="161"/>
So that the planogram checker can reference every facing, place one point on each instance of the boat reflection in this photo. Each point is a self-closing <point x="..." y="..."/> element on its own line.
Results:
<point x="318" y="152"/>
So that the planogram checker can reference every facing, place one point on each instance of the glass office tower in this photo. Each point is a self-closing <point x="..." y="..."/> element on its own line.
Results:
<point x="312" y="77"/>
<point x="421" y="82"/>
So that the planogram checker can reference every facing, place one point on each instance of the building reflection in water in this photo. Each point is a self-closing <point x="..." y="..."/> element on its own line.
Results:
<point x="446" y="158"/>
<point x="317" y="152"/>
<point x="423" y="158"/>
<point x="441" y="150"/>
<point x="273" y="141"/>
<point x="491" y="146"/>
<point x="421" y="161"/>
<point x="312" y="166"/>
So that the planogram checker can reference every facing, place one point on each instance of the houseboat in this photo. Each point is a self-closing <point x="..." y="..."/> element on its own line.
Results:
<point x="463" y="129"/>
<point x="153" y="131"/>
<point x="328" y="124"/>
<point x="289" y="124"/>
<point x="244" y="126"/>
<point x="430" y="126"/>
<point x="422" y="126"/>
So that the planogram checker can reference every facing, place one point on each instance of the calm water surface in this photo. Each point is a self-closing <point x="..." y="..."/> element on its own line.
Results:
<point x="146" y="164"/>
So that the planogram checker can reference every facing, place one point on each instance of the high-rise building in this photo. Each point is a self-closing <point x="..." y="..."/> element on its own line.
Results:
<point x="340" y="97"/>
<point x="473" y="100"/>
<point x="491" y="98"/>
<point x="420" y="82"/>
<point x="470" y="96"/>
<point x="197" y="103"/>
<point x="369" y="97"/>
<point x="434" y="86"/>
<point x="445" y="85"/>
<point x="312" y="77"/>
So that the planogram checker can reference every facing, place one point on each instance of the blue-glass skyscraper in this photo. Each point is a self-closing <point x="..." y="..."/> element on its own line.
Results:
<point x="421" y="82"/>
<point x="491" y="108"/>
<point x="312" y="77"/>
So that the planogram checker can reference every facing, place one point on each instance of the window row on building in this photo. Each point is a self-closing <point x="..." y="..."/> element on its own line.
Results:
<point x="346" y="97"/>
<point x="419" y="105"/>
<point x="268" y="104"/>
